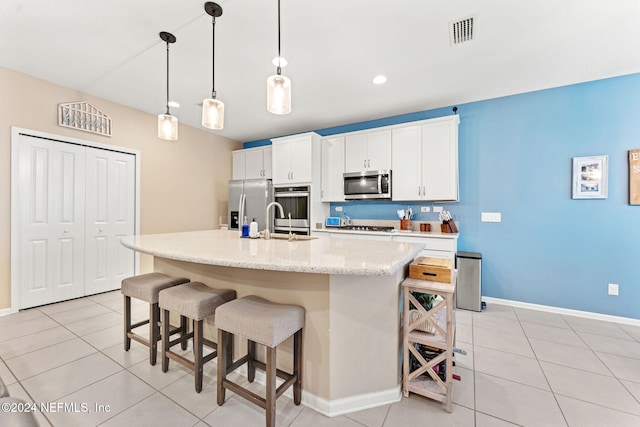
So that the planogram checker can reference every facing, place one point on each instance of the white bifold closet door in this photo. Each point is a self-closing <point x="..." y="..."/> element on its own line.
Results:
<point x="110" y="214"/>
<point x="74" y="203"/>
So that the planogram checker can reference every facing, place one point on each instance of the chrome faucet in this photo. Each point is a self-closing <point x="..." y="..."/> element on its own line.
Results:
<point x="267" y="233"/>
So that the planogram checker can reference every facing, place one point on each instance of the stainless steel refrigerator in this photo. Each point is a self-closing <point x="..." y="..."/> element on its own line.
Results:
<point x="249" y="198"/>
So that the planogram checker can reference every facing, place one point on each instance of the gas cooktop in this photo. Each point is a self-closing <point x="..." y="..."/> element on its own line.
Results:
<point x="366" y="228"/>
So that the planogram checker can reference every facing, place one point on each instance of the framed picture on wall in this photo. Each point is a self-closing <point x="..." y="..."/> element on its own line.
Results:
<point x="590" y="177"/>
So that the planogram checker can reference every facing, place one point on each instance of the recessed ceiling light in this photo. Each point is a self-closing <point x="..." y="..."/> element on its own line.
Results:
<point x="174" y="104"/>
<point x="379" y="79"/>
<point x="279" y="61"/>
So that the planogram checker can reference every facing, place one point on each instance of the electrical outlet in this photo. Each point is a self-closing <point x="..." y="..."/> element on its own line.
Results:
<point x="491" y="217"/>
<point x="613" y="289"/>
<point x="338" y="208"/>
<point x="437" y="208"/>
<point x="425" y="209"/>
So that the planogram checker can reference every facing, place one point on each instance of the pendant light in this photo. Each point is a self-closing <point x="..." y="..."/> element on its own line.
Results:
<point x="279" y="86"/>
<point x="213" y="109"/>
<point x="167" y="124"/>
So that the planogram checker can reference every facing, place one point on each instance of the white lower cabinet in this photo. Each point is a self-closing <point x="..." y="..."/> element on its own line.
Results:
<point x="378" y="237"/>
<point x="435" y="247"/>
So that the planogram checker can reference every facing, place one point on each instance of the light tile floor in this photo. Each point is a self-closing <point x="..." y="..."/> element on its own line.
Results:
<point x="522" y="367"/>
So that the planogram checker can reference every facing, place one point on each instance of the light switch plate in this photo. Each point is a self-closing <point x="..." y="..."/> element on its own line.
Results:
<point x="338" y="208"/>
<point x="491" y="217"/>
<point x="613" y="289"/>
<point x="425" y="209"/>
<point x="437" y="208"/>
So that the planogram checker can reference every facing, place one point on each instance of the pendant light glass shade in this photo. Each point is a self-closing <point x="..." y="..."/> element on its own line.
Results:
<point x="167" y="124"/>
<point x="279" y="86"/>
<point x="278" y="94"/>
<point x="167" y="127"/>
<point x="212" y="109"/>
<point x="213" y="114"/>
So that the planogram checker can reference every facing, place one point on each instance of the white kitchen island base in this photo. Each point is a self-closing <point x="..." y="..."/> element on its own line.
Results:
<point x="352" y="339"/>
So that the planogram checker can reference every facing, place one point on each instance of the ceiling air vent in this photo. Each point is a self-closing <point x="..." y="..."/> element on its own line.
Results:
<point x="461" y="31"/>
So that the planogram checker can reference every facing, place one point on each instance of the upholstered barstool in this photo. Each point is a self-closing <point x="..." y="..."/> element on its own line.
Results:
<point x="194" y="301"/>
<point x="147" y="287"/>
<point x="267" y="323"/>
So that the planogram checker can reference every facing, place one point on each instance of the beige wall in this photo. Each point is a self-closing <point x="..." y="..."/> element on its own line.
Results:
<point x="183" y="183"/>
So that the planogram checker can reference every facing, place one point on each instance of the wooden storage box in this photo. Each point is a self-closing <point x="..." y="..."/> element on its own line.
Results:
<point x="434" y="269"/>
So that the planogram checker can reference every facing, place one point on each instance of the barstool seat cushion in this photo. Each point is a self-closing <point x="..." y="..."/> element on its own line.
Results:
<point x="146" y="287"/>
<point x="194" y="300"/>
<point x="259" y="320"/>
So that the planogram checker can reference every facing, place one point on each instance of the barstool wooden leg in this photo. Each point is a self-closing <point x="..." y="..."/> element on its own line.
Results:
<point x="297" y="367"/>
<point x="251" y="367"/>
<point x="184" y="331"/>
<point x="154" y="332"/>
<point x="271" y="387"/>
<point x="165" y="340"/>
<point x="197" y="345"/>
<point x="223" y="362"/>
<point x="127" y="322"/>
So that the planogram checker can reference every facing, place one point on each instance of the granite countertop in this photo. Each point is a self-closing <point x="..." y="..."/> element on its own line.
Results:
<point x="321" y="255"/>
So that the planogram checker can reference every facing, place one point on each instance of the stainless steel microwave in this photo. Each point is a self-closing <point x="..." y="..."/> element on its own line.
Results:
<point x="364" y="185"/>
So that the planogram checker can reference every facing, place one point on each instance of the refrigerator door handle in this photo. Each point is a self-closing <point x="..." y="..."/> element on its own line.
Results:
<point x="241" y="213"/>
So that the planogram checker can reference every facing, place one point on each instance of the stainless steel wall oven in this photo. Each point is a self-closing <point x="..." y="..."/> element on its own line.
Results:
<point x="294" y="201"/>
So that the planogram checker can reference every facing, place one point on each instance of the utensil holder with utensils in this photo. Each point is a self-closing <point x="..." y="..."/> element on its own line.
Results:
<point x="405" y="224"/>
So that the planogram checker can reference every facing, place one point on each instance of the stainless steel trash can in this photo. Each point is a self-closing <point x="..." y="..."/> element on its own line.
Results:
<point x="469" y="288"/>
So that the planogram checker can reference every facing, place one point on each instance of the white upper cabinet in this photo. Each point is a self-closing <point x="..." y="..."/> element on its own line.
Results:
<point x="332" y="169"/>
<point x="425" y="161"/>
<point x="252" y="163"/>
<point x="368" y="151"/>
<point x="292" y="159"/>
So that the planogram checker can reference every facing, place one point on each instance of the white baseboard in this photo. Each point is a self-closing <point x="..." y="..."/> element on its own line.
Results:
<point x="336" y="407"/>
<point x="567" y="311"/>
<point x="5" y="311"/>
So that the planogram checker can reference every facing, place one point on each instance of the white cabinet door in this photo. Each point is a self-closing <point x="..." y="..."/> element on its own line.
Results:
<point x="356" y="152"/>
<point x="238" y="159"/>
<point x="267" y="163"/>
<point x="332" y="169"/>
<point x="254" y="163"/>
<point x="406" y="168"/>
<point x="110" y="214"/>
<point x="291" y="160"/>
<point x="301" y="160"/>
<point x="368" y="151"/>
<point x="281" y="161"/>
<point x="51" y="221"/>
<point x="440" y="160"/>
<point x="379" y="150"/>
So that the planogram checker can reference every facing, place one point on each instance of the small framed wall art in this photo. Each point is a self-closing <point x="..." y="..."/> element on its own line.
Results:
<point x="590" y="177"/>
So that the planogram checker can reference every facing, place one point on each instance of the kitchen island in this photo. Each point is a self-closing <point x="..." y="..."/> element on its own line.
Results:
<point x="350" y="289"/>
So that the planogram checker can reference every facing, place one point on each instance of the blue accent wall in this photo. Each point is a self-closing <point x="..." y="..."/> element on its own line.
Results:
<point x="515" y="157"/>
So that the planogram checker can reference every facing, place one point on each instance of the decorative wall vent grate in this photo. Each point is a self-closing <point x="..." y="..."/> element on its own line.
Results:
<point x="461" y="31"/>
<point x="85" y="117"/>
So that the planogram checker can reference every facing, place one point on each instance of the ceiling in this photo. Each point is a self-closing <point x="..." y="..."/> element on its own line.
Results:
<point x="334" y="48"/>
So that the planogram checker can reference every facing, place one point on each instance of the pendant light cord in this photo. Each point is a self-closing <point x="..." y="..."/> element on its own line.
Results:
<point x="279" y="70"/>
<point x="168" y="78"/>
<point x="213" y="60"/>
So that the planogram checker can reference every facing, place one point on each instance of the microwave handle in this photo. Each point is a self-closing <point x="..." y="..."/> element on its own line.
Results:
<point x="379" y="183"/>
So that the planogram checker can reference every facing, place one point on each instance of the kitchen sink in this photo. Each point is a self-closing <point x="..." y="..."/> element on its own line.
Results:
<point x="293" y="238"/>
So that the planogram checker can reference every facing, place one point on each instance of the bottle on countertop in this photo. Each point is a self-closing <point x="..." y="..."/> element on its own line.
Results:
<point x="253" y="229"/>
<point x="245" y="228"/>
